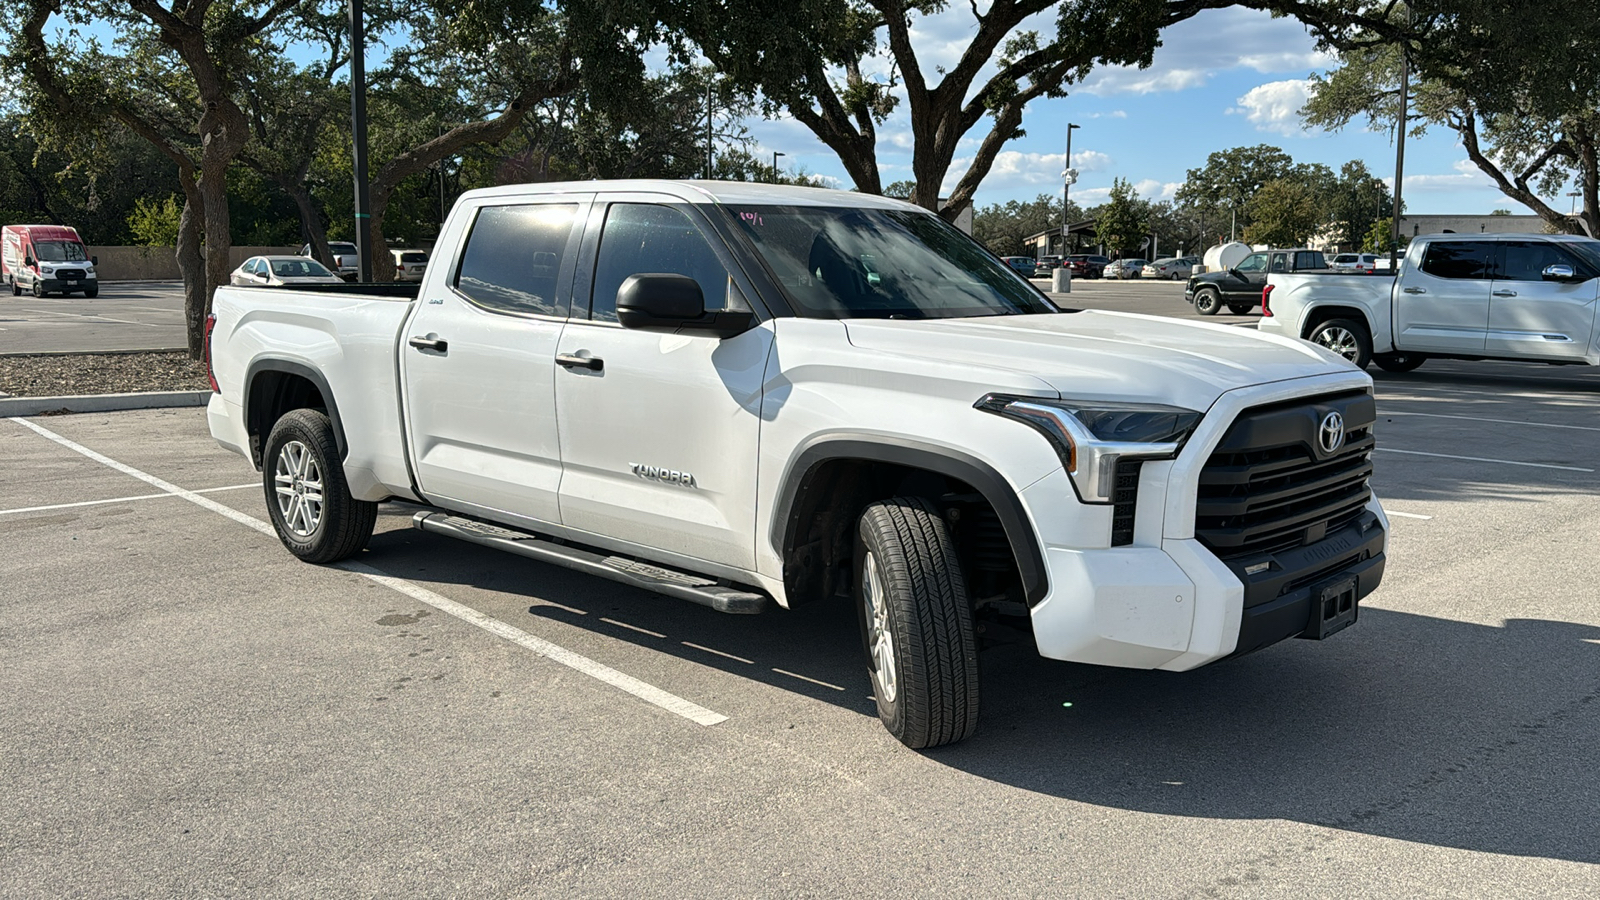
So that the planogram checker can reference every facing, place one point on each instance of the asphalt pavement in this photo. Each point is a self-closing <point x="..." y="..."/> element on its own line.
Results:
<point x="189" y="711"/>
<point x="132" y="315"/>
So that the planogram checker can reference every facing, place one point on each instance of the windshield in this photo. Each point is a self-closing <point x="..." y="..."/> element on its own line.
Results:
<point x="1586" y="250"/>
<point x="58" y="251"/>
<point x="842" y="263"/>
<point x="298" y="268"/>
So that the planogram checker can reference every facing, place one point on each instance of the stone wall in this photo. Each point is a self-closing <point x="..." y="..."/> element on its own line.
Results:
<point x="161" y="263"/>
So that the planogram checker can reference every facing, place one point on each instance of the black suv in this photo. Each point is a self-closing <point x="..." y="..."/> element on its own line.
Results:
<point x="1083" y="265"/>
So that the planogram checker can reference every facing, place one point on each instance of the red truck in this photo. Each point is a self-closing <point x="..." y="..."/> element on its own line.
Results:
<point x="46" y="259"/>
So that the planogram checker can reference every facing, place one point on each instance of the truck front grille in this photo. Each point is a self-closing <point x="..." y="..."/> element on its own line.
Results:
<point x="70" y="274"/>
<point x="1124" y="500"/>
<point x="1269" y="486"/>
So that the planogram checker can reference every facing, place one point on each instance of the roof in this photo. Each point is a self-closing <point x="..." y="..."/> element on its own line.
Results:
<point x="1084" y="227"/>
<point x="719" y="192"/>
<point x="1500" y="236"/>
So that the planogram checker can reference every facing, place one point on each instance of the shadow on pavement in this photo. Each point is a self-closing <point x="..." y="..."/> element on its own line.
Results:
<point x="1406" y="727"/>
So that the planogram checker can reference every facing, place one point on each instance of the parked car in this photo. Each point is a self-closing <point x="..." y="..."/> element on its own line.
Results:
<point x="346" y="261"/>
<point x="1084" y="265"/>
<point x="728" y="393"/>
<point x="1356" y="262"/>
<point x="1488" y="296"/>
<point x="46" y="259"/>
<point x="1172" y="268"/>
<point x="277" y="271"/>
<point x="1124" y="268"/>
<point x="1239" y="288"/>
<point x="409" y="264"/>
<point x="1025" y="265"/>
<point x="1049" y="263"/>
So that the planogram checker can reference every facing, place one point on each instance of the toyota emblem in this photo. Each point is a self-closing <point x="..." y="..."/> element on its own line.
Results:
<point x="1331" y="433"/>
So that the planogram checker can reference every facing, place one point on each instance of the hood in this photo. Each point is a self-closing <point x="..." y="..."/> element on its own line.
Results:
<point x="1097" y="355"/>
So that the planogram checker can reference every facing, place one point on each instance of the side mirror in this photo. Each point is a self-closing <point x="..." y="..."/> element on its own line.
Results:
<point x="1234" y="271"/>
<point x="29" y="261"/>
<point x="674" y="304"/>
<point x="1560" y="272"/>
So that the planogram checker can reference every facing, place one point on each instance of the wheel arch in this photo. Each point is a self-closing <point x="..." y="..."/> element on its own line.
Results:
<point x="835" y="477"/>
<point x="1316" y="315"/>
<point x="276" y="386"/>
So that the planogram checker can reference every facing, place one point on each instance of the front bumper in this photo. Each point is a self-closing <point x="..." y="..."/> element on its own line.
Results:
<point x="52" y="283"/>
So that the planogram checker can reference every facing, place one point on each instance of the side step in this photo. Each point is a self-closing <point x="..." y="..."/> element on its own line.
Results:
<point x="684" y="586"/>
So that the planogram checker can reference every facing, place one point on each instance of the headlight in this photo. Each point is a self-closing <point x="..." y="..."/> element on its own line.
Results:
<point x="1090" y="437"/>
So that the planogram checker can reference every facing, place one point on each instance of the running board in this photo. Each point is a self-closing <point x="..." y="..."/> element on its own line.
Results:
<point x="684" y="586"/>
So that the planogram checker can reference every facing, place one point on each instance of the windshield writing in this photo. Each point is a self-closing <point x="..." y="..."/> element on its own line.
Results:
<point x="840" y="263"/>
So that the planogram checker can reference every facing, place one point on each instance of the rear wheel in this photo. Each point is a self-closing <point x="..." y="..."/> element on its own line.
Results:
<point x="16" y="289"/>
<point x="916" y="622"/>
<point x="1399" y="362"/>
<point x="1207" y="301"/>
<point x="1347" y="338"/>
<point x="307" y="497"/>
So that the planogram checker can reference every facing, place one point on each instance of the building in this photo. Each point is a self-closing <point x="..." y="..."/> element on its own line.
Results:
<point x="1411" y="226"/>
<point x="1048" y="242"/>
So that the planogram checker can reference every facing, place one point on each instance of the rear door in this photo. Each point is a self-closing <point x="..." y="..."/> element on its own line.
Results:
<point x="660" y="432"/>
<point x="479" y="359"/>
<point x="1442" y="305"/>
<point x="1534" y="317"/>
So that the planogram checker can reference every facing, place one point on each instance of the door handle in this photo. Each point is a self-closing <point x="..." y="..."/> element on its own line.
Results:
<point x="572" y="361"/>
<point x="1505" y="293"/>
<point x="423" y="343"/>
<point x="1414" y="290"/>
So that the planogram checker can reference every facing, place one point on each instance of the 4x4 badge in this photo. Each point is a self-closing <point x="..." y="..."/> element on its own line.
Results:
<point x="1331" y="434"/>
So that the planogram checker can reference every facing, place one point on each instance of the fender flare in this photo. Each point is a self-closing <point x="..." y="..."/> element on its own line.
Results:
<point x="289" y="367"/>
<point x="1309" y="314"/>
<point x="947" y="461"/>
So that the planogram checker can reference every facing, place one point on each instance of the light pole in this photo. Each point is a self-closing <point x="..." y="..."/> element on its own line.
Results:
<point x="1233" y="213"/>
<point x="1068" y="176"/>
<point x="358" y="156"/>
<point x="1574" y="195"/>
<point x="1400" y="146"/>
<point x="775" y="155"/>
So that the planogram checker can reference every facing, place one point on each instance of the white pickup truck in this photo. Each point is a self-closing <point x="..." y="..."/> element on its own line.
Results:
<point x="743" y="395"/>
<point x="1481" y="296"/>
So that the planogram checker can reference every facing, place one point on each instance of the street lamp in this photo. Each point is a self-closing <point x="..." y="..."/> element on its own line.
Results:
<point x="775" y="155"/>
<point x="1574" y="195"/>
<point x="1068" y="176"/>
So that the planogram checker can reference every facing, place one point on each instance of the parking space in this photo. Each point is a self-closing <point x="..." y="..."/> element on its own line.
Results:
<point x="191" y="711"/>
<point x="141" y="315"/>
<point x="1145" y="296"/>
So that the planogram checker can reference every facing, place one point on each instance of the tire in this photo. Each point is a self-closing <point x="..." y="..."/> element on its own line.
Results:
<point x="92" y="291"/>
<point x="1176" y="277"/>
<point x="16" y="289"/>
<point x="1207" y="301"/>
<point x="302" y="451"/>
<point x="1345" y="337"/>
<point x="1399" y="362"/>
<point x="1240" y="309"/>
<point x="916" y="623"/>
<point x="38" y="288"/>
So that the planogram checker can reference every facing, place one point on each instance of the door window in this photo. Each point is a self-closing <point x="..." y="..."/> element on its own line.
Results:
<point x="1527" y="260"/>
<point x="513" y="257"/>
<point x="645" y="237"/>
<point x="1255" y="262"/>
<point x="1458" y="259"/>
<point x="1280" y="262"/>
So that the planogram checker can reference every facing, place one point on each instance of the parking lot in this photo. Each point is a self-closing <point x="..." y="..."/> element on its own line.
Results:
<point x="134" y="315"/>
<point x="190" y="711"/>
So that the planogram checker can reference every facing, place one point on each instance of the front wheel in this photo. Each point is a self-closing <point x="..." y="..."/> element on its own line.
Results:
<point x="1399" y="362"/>
<point x="1240" y="309"/>
<point x="307" y="497"/>
<point x="38" y="288"/>
<point x="916" y="622"/>
<point x="1207" y="302"/>
<point x="92" y="291"/>
<point x="1347" y="338"/>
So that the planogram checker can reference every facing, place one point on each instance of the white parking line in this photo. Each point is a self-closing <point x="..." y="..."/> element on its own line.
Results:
<point x="598" y="671"/>
<point x="90" y="316"/>
<point x="804" y="678"/>
<point x="1404" y="515"/>
<point x="29" y="509"/>
<point x="1497" y="421"/>
<point x="1511" y="394"/>
<point x="1504" y="462"/>
<point x="719" y="653"/>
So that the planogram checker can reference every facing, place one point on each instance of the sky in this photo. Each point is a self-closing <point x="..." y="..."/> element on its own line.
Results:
<point x="1225" y="78"/>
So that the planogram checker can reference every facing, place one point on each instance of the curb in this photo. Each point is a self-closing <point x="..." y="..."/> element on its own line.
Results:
<point x="86" y="403"/>
<point x="21" y="354"/>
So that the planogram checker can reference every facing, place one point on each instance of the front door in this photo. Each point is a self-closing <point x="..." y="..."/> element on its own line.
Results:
<point x="659" y="432"/>
<point x="1443" y="304"/>
<point x="1245" y="281"/>
<point x="479" y="360"/>
<point x="1532" y="316"/>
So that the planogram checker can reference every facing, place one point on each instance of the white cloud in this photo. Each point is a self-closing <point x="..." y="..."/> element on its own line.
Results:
<point x="1466" y="176"/>
<point x="1114" y="114"/>
<point x="1275" y="106"/>
<point x="1091" y="161"/>
<point x="1194" y="50"/>
<point x="1151" y="189"/>
<point x="1091" y="196"/>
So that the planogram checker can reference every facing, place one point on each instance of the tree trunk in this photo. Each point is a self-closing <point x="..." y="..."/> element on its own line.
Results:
<point x="310" y="221"/>
<point x="224" y="131"/>
<point x="191" y="262"/>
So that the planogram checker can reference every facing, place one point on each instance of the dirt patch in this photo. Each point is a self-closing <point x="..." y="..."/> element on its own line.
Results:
<point x="121" y="373"/>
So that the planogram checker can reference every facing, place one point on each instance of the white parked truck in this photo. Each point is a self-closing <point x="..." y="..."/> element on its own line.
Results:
<point x="1482" y="296"/>
<point x="749" y="395"/>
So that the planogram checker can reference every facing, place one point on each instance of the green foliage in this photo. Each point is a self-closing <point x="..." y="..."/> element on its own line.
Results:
<point x="1002" y="226"/>
<point x="1230" y="178"/>
<point x="1121" y="223"/>
<point x="154" y="223"/>
<point x="1284" y="213"/>
<point x="1380" y="236"/>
